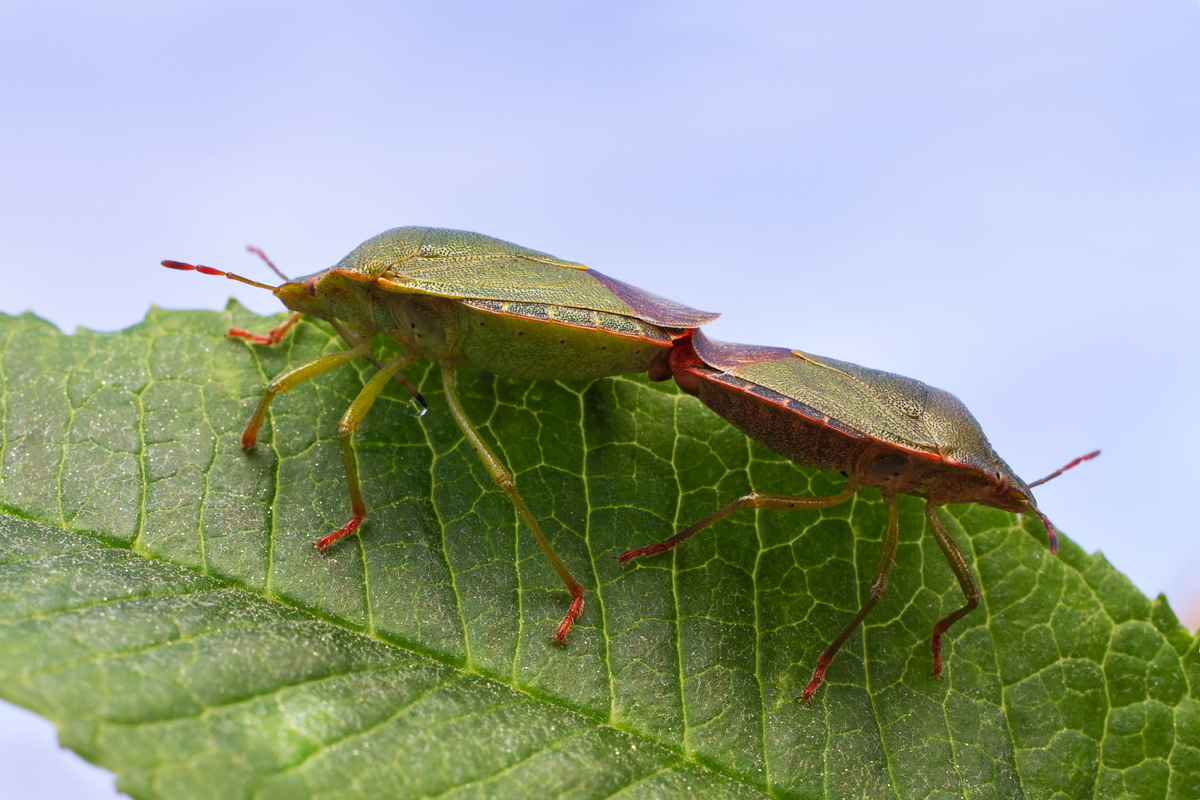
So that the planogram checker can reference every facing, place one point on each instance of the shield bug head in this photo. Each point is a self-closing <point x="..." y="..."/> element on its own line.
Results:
<point x="307" y="296"/>
<point x="878" y="429"/>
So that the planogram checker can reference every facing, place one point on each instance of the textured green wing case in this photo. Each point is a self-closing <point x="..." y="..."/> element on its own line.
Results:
<point x="471" y="266"/>
<point x="884" y="406"/>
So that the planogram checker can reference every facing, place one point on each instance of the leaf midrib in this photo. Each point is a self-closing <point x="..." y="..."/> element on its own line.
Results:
<point x="104" y="543"/>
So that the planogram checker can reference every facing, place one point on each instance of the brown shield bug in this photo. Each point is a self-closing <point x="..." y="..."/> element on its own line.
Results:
<point x="878" y="429"/>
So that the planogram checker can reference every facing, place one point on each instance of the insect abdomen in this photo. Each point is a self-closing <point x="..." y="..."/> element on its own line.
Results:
<point x="548" y="342"/>
<point x="791" y="429"/>
<point x="576" y="318"/>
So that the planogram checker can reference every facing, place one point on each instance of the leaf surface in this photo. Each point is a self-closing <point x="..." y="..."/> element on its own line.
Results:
<point x="162" y="603"/>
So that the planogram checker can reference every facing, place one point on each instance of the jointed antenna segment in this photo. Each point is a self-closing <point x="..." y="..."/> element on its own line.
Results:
<point x="270" y="263"/>
<point x="1074" y="463"/>
<point x="210" y="271"/>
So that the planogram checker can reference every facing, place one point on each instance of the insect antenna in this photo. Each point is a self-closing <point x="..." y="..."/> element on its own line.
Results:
<point x="270" y="263"/>
<point x="1051" y="534"/>
<point x="210" y="271"/>
<point x="1074" y="463"/>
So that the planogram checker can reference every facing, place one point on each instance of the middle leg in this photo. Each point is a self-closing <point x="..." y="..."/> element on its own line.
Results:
<point x="350" y="421"/>
<point x="966" y="582"/>
<point x="883" y="572"/>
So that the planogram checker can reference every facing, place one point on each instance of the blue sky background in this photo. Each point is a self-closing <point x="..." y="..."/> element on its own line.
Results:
<point x="1000" y="199"/>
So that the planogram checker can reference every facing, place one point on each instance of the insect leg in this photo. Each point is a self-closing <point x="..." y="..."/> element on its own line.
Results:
<point x="966" y="582"/>
<point x="503" y="479"/>
<point x="273" y="336"/>
<point x="887" y="560"/>
<point x="353" y="339"/>
<point x="297" y="376"/>
<point x="752" y="500"/>
<point x="350" y="420"/>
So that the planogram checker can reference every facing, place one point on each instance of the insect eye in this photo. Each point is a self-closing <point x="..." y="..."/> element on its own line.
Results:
<point x="310" y="286"/>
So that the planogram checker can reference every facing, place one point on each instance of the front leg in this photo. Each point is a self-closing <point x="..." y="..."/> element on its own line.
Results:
<point x="295" y="377"/>
<point x="273" y="336"/>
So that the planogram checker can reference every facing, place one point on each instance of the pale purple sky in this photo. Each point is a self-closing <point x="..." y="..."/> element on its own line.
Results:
<point x="1000" y="199"/>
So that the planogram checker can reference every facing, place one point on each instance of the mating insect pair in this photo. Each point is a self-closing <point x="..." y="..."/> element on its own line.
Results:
<point x="459" y="298"/>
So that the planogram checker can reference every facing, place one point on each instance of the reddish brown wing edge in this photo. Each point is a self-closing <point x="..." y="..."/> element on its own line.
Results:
<point x="652" y="308"/>
<point x="728" y="357"/>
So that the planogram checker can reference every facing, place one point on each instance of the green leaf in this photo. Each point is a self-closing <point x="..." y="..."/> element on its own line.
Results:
<point x="162" y="603"/>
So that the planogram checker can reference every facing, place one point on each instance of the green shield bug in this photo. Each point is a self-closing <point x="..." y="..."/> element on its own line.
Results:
<point x="460" y="298"/>
<point x="876" y="428"/>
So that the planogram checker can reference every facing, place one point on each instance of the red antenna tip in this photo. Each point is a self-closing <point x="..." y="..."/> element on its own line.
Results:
<point x="211" y="271"/>
<point x="1051" y="534"/>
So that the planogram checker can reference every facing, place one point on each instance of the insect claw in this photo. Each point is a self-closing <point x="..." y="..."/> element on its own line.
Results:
<point x="642" y="552"/>
<point x="810" y="690"/>
<point x="936" y="647"/>
<point x="573" y="613"/>
<point x="253" y="338"/>
<point x="348" y="529"/>
<point x="249" y="436"/>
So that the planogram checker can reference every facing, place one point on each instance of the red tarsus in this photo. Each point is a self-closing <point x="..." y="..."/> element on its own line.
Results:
<point x="345" y="530"/>
<point x="572" y="615"/>
<point x="810" y="690"/>
<point x="258" y="338"/>
<point x="648" y="550"/>
<point x="249" y="436"/>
